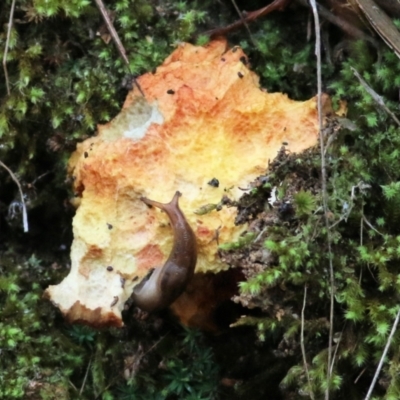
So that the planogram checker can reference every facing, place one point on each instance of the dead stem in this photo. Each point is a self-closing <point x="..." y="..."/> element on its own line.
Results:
<point x="376" y="97"/>
<point x="341" y="23"/>
<point x="7" y="45"/>
<point x="85" y="378"/>
<point x="249" y="17"/>
<point x="303" y="349"/>
<point x="324" y="194"/>
<point x="116" y="39"/>
<point x="244" y="22"/>
<point x="371" y="226"/>
<point x="378" y="369"/>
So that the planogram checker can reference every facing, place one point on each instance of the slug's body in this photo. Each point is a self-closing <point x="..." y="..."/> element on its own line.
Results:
<point x="164" y="284"/>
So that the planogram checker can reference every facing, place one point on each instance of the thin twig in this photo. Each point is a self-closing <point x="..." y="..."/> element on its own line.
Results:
<point x="250" y="17"/>
<point x="309" y="26"/>
<point x="377" y="98"/>
<point x="86" y="375"/>
<point x="359" y="375"/>
<point x="324" y="194"/>
<point x="244" y="22"/>
<point x="259" y="236"/>
<point x="303" y="349"/>
<point x="336" y="350"/>
<point x="362" y="231"/>
<point x="112" y="31"/>
<point x="371" y="226"/>
<point x="116" y="39"/>
<point x="7" y="45"/>
<point x="341" y="23"/>
<point x="24" y="213"/>
<point x="70" y="382"/>
<point x="327" y="48"/>
<point x="388" y="343"/>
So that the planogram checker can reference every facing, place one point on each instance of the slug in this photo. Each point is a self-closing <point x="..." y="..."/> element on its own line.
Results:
<point x="163" y="285"/>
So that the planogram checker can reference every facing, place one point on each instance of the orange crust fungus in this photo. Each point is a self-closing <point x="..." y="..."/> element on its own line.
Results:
<point x="204" y="116"/>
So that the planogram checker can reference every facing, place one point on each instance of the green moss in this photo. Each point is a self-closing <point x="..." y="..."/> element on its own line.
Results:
<point x="243" y="241"/>
<point x="363" y="173"/>
<point x="192" y="375"/>
<point x="34" y="352"/>
<point x="65" y="80"/>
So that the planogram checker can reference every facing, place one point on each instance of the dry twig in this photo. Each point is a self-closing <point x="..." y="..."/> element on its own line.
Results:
<point x="85" y="378"/>
<point x="116" y="39"/>
<point x="324" y="193"/>
<point x="341" y="23"/>
<point x="371" y="226"/>
<point x="388" y="343"/>
<point x="249" y="17"/>
<point x="7" y="45"/>
<point x="377" y="98"/>
<point x="244" y="22"/>
<point x="303" y="349"/>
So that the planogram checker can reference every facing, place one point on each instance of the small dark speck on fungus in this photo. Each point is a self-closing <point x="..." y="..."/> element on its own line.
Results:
<point x="243" y="59"/>
<point x="214" y="182"/>
<point x="115" y="301"/>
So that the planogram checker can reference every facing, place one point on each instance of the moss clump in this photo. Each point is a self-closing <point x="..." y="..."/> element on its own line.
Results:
<point x="291" y="254"/>
<point x="37" y="358"/>
<point x="64" y="79"/>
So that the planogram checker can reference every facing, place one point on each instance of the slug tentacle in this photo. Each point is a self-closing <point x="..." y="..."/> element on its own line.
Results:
<point x="163" y="285"/>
